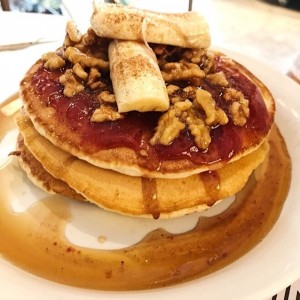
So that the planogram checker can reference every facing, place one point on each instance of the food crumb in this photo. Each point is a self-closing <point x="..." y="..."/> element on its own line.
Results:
<point x="102" y="239"/>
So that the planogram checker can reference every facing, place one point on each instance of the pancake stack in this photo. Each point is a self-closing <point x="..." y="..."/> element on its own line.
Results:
<point x="141" y="117"/>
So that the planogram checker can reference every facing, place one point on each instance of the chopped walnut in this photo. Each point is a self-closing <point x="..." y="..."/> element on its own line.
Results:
<point x="239" y="107"/>
<point x="181" y="71"/>
<point x="53" y="61"/>
<point x="232" y="94"/>
<point x="86" y="67"/>
<point x="106" y="113"/>
<point x="170" y="124"/>
<point x="194" y="55"/>
<point x="92" y="45"/>
<point x="70" y="83"/>
<point x="73" y="33"/>
<point x="198" y="129"/>
<point x="240" y="112"/>
<point x="177" y="94"/>
<point x="171" y="89"/>
<point x="218" y="78"/>
<point x="214" y="114"/>
<point x="189" y="92"/>
<point x="105" y="96"/>
<point x="207" y="62"/>
<point x="90" y="37"/>
<point x="74" y="55"/>
<point x="94" y="79"/>
<point x="80" y="72"/>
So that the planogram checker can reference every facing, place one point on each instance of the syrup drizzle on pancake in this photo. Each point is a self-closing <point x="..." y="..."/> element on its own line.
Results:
<point x="150" y="195"/>
<point x="159" y="259"/>
<point x="212" y="183"/>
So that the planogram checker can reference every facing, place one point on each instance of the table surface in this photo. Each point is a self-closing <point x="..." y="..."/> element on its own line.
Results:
<point x="268" y="33"/>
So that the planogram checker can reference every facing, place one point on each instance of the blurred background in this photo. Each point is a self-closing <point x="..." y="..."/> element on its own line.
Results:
<point x="267" y="30"/>
<point x="57" y="6"/>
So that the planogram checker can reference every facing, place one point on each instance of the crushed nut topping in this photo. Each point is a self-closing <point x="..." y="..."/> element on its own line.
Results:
<point x="214" y="115"/>
<point x="199" y="116"/>
<point x="73" y="33"/>
<point x="232" y="94"/>
<point x="198" y="128"/>
<point x="94" y="77"/>
<point x="170" y="124"/>
<point x="80" y="72"/>
<point x="218" y="78"/>
<point x="239" y="106"/>
<point x="194" y="55"/>
<point x="106" y="113"/>
<point x="87" y="63"/>
<point x="70" y="83"/>
<point x="53" y="61"/>
<point x="181" y="71"/>
<point x="177" y="94"/>
<point x="239" y="112"/>
<point x="74" y="55"/>
<point x="207" y="61"/>
<point x="84" y="60"/>
<point x="107" y="97"/>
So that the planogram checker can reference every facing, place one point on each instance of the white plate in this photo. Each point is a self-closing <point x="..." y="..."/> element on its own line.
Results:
<point x="264" y="271"/>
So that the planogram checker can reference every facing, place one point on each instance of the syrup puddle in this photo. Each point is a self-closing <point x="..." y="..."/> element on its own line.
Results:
<point x="59" y="239"/>
<point x="108" y="230"/>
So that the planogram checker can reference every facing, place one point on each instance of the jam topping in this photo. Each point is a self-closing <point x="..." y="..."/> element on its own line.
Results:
<point x="136" y="129"/>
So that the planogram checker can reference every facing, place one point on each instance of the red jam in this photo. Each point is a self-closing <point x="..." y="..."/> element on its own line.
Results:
<point x="136" y="129"/>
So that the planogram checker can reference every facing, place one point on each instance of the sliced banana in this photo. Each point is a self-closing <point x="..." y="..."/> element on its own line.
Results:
<point x="116" y="21"/>
<point x="136" y="78"/>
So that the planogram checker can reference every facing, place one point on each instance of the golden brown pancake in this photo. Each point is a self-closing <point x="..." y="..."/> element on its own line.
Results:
<point x="124" y="144"/>
<point x="39" y="176"/>
<point x="137" y="196"/>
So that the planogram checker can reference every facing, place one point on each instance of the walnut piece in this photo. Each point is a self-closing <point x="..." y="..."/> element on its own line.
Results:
<point x="181" y="71"/>
<point x="172" y="89"/>
<point x="94" y="79"/>
<point x="170" y="124"/>
<point x="240" y="112"/>
<point x="80" y="72"/>
<point x="106" y="113"/>
<point x="74" y="55"/>
<point x="194" y="55"/>
<point x="198" y="129"/>
<point x="70" y="83"/>
<point x="207" y="62"/>
<point x="105" y="96"/>
<point x="177" y="94"/>
<point x="232" y="94"/>
<point x="239" y="107"/>
<point x="214" y="114"/>
<point x="218" y="78"/>
<point x="73" y="33"/>
<point x="194" y="108"/>
<point x="52" y="61"/>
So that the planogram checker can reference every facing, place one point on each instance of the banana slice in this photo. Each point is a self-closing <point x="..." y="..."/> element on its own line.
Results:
<point x="115" y="21"/>
<point x="136" y="78"/>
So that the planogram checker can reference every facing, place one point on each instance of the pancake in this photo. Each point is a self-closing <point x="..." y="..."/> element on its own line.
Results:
<point x="138" y="196"/>
<point x="127" y="144"/>
<point x="39" y="176"/>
